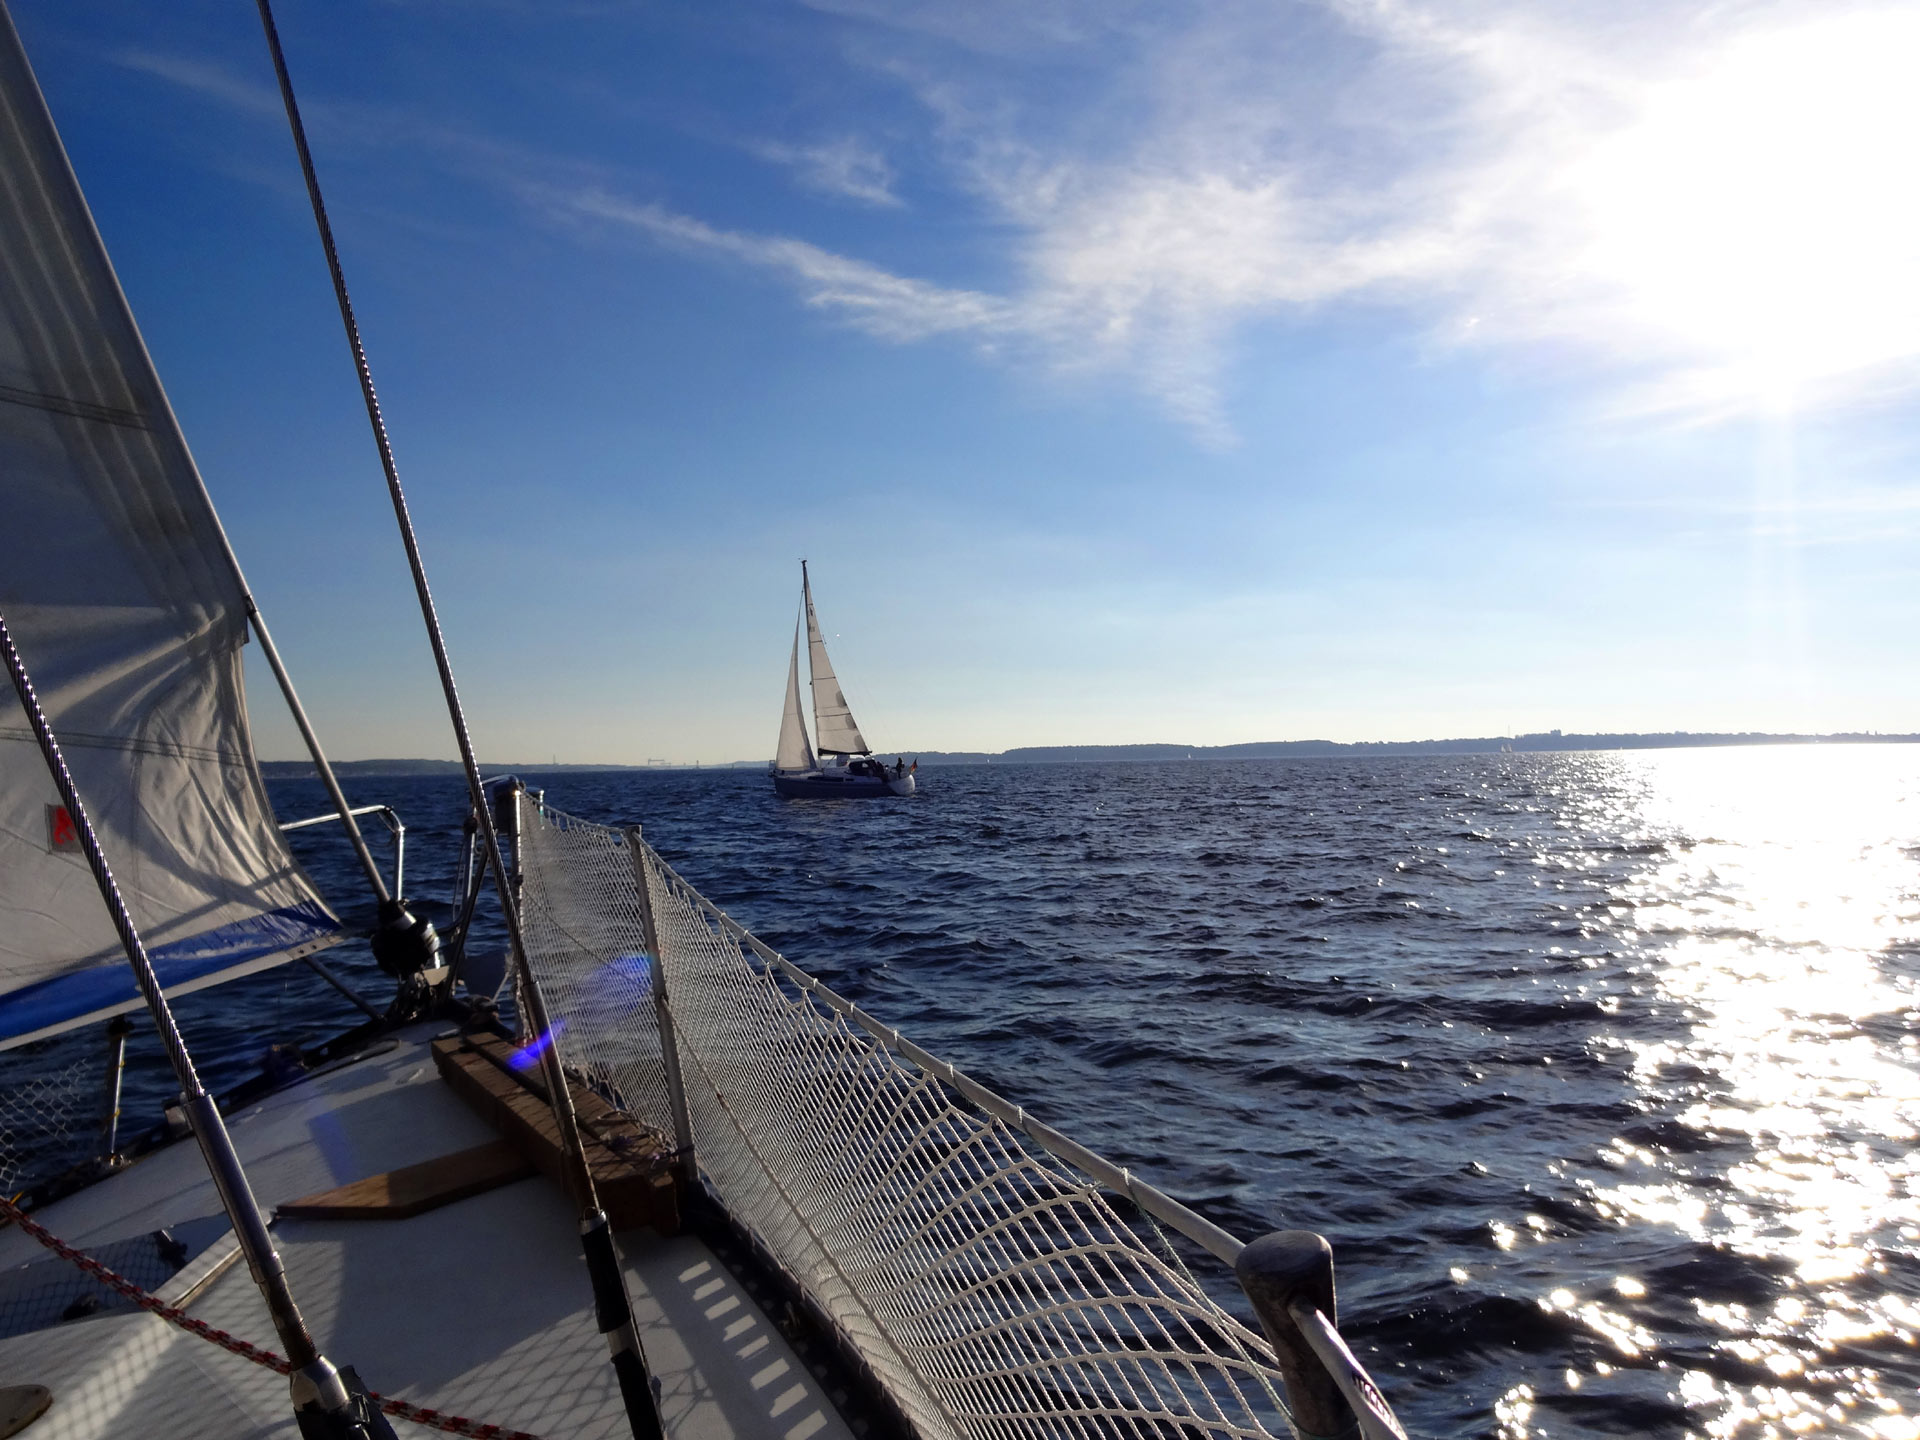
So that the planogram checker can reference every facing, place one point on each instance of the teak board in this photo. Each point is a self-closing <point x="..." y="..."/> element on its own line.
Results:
<point x="414" y="1189"/>
<point x="632" y="1166"/>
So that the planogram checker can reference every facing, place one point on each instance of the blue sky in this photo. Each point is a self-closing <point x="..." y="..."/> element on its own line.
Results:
<point x="1198" y="372"/>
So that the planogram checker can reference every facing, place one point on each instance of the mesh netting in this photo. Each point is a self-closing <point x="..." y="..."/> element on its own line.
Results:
<point x="47" y="1123"/>
<point x="993" y="1290"/>
<point x="46" y="1292"/>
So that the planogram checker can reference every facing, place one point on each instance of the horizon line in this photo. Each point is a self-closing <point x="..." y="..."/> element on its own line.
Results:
<point x="1535" y="742"/>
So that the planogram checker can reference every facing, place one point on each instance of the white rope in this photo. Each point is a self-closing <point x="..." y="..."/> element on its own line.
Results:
<point x="995" y="1291"/>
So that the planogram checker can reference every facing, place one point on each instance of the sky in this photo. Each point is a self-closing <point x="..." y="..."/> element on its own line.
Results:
<point x="1186" y="372"/>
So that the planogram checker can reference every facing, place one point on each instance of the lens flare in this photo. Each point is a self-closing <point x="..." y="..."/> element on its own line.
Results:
<point x="528" y="1055"/>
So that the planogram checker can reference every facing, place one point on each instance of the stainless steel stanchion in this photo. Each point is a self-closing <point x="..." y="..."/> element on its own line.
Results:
<point x="662" y="1007"/>
<point x="118" y="1029"/>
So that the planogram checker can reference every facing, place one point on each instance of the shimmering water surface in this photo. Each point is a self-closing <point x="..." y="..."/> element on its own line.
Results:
<point x="1599" y="1070"/>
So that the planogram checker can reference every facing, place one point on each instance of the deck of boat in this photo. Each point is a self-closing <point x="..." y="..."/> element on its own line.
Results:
<point x="480" y="1309"/>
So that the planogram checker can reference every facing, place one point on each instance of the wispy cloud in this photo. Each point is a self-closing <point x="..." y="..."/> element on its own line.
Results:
<point x="1688" y="203"/>
<point x="1040" y="326"/>
<point x="1694" y="202"/>
<point x="211" y="81"/>
<point x="879" y="302"/>
<point x="847" y="168"/>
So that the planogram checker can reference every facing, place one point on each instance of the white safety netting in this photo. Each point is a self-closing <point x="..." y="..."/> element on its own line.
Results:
<point x="48" y="1122"/>
<point x="993" y="1290"/>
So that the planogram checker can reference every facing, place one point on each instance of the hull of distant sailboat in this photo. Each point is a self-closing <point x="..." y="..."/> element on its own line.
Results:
<point x="840" y="785"/>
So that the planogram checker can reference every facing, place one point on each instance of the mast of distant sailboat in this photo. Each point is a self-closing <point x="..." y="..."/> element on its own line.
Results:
<point x="834" y="730"/>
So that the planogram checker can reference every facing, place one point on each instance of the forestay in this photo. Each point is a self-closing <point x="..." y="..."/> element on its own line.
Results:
<point x="128" y="610"/>
<point x="993" y="1290"/>
<point x="833" y="728"/>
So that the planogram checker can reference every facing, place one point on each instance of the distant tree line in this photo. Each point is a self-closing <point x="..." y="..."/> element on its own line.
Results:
<point x="1257" y="750"/>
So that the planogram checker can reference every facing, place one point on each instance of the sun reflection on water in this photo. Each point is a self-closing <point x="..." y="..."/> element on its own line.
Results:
<point x="1776" y="929"/>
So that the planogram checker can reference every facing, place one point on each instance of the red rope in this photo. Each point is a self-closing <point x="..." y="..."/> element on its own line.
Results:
<point x="419" y="1414"/>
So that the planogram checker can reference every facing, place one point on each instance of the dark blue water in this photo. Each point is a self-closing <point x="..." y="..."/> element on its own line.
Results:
<point x="1597" y="1070"/>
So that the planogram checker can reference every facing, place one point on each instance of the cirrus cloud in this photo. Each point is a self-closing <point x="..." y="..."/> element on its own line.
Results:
<point x="1695" y="202"/>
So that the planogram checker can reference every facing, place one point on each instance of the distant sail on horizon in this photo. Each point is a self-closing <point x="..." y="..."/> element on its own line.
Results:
<point x="794" y="752"/>
<point x="843" y="767"/>
<point x="834" y="730"/>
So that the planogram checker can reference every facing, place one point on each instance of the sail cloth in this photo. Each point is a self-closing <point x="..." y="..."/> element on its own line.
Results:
<point x="128" y="610"/>
<point x="833" y="727"/>
<point x="794" y="752"/>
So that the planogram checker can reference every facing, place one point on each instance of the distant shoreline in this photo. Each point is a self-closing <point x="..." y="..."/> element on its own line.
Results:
<point x="1551" y="741"/>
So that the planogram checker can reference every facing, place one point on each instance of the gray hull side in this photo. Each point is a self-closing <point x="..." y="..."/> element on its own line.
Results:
<point x="860" y="787"/>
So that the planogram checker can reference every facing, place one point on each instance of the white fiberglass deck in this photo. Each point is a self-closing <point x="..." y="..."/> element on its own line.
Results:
<point x="480" y="1309"/>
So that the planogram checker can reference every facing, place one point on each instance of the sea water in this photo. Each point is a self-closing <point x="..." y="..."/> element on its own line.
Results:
<point x="1598" y="1070"/>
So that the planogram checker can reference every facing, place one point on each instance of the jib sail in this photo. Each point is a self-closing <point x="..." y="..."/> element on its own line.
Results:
<point x="129" y="612"/>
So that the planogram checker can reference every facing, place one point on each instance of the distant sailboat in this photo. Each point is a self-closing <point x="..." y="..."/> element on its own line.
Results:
<point x="845" y="769"/>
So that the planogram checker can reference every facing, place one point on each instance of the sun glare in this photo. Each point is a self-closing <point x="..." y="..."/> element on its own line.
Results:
<point x="1761" y="210"/>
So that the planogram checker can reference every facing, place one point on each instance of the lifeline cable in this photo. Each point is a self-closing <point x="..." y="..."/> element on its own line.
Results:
<point x="612" y="1304"/>
<point x="245" y="1349"/>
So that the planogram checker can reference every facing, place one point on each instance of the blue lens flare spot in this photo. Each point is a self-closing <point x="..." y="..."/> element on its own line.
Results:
<point x="528" y="1055"/>
<point x="636" y="970"/>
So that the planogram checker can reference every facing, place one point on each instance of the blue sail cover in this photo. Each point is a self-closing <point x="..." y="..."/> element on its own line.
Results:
<point x="209" y="958"/>
<point x="129" y="612"/>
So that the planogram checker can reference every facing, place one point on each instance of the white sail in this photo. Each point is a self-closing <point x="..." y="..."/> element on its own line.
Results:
<point x="833" y="727"/>
<point x="794" y="752"/>
<point x="126" y="606"/>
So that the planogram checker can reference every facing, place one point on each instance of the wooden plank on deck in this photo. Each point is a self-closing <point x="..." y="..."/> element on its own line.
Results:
<point x="415" y="1189"/>
<point x="632" y="1166"/>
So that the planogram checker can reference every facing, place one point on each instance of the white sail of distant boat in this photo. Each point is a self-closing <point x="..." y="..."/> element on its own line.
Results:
<point x="128" y="610"/>
<point x="848" y="769"/>
<point x="794" y="752"/>
<point x="833" y="725"/>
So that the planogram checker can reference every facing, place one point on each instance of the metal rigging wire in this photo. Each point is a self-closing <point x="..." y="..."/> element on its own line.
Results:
<point x="614" y="1310"/>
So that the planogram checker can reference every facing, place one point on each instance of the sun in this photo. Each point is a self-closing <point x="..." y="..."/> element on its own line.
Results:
<point x="1763" y="210"/>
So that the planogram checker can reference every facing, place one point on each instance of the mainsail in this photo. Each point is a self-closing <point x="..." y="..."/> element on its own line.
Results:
<point x="794" y="752"/>
<point x="833" y="727"/>
<point x="129" y="611"/>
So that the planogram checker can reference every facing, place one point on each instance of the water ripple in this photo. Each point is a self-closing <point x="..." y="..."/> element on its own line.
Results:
<point x="1599" y="1070"/>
